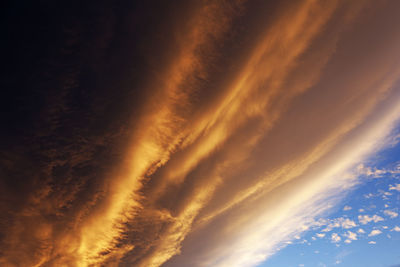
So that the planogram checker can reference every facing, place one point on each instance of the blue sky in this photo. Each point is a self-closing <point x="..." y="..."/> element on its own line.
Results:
<point x="363" y="229"/>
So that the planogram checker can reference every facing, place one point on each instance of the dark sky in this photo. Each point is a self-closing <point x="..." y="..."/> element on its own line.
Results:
<point x="138" y="133"/>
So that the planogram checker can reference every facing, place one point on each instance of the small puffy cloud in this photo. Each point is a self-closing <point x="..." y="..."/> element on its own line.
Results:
<point x="385" y="227"/>
<point x="377" y="173"/>
<point x="350" y="235"/>
<point x="372" y="242"/>
<point x="335" y="238"/>
<point x="347" y="223"/>
<point x="368" y="171"/>
<point x="361" y="231"/>
<point x="346" y="208"/>
<point x="386" y="206"/>
<point x="344" y="223"/>
<point x="320" y="235"/>
<point x="347" y="241"/>
<point x="361" y="210"/>
<point x="364" y="219"/>
<point x="395" y="187"/>
<point x="375" y="232"/>
<point x="301" y="265"/>
<point x="391" y="214"/>
<point x="396" y="229"/>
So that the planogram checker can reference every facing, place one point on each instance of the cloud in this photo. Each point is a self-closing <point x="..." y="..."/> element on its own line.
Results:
<point x="342" y="222"/>
<point x="320" y="235"/>
<point x="360" y="231"/>
<point x="378" y="173"/>
<point x="335" y="238"/>
<point x="396" y="229"/>
<point x="350" y="235"/>
<point x="236" y="138"/>
<point x="390" y="213"/>
<point x="364" y="219"/>
<point x="346" y="208"/>
<point x="372" y="242"/>
<point x="375" y="232"/>
<point x="395" y="187"/>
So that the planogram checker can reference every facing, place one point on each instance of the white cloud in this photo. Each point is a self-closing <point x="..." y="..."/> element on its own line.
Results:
<point x="320" y="235"/>
<point x="361" y="231"/>
<point x="396" y="229"/>
<point x="368" y="171"/>
<point x="347" y="223"/>
<point x="344" y="223"/>
<point x="395" y="187"/>
<point x="350" y="235"/>
<point x="361" y="210"/>
<point x="335" y="238"/>
<point x="364" y="219"/>
<point x="346" y="208"/>
<point x="386" y="206"/>
<point x="385" y="227"/>
<point x="375" y="172"/>
<point x="347" y="241"/>
<point x="391" y="214"/>
<point x="375" y="232"/>
<point x="372" y="242"/>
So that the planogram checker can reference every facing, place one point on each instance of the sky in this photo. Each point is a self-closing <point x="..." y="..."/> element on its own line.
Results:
<point x="200" y="133"/>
